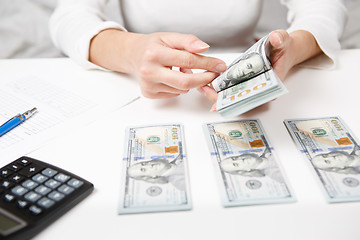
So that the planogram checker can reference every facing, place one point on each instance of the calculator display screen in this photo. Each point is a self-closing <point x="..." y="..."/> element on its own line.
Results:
<point x="9" y="224"/>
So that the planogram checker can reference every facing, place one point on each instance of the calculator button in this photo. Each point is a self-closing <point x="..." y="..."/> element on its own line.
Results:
<point x="52" y="184"/>
<point x="9" y="197"/>
<point x="45" y="202"/>
<point x="19" y="190"/>
<point x="42" y="190"/>
<point x="75" y="183"/>
<point x="32" y="197"/>
<point x="39" y="178"/>
<point x="30" y="170"/>
<point x="16" y="178"/>
<point x="24" y="162"/>
<point x="5" y="184"/>
<point x="14" y="167"/>
<point x="65" y="189"/>
<point x="22" y="204"/>
<point x="29" y="184"/>
<point x="5" y="173"/>
<point x="56" y="196"/>
<point x="35" y="210"/>
<point x="61" y="177"/>
<point x="49" y="172"/>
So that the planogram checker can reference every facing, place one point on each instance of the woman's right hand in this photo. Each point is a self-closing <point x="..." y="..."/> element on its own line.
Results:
<point x="151" y="58"/>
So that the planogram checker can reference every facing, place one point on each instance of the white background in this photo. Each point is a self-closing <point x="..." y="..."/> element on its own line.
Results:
<point x="95" y="152"/>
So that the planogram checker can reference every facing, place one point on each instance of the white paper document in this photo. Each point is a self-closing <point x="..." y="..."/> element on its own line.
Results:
<point x="66" y="96"/>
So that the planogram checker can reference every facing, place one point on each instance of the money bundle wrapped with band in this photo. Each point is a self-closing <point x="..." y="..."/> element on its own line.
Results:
<point x="249" y="81"/>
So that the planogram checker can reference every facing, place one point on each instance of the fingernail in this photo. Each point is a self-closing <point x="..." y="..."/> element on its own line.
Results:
<point x="198" y="44"/>
<point x="213" y="109"/>
<point x="279" y="36"/>
<point x="221" y="67"/>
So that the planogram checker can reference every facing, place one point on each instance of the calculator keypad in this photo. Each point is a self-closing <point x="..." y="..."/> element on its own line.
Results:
<point x="33" y="187"/>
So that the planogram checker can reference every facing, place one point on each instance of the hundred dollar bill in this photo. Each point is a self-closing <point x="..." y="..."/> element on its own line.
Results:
<point x="154" y="176"/>
<point x="248" y="82"/>
<point x="333" y="152"/>
<point x="249" y="64"/>
<point x="245" y="164"/>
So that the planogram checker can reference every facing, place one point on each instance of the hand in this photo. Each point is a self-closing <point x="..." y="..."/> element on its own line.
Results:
<point x="287" y="51"/>
<point x="151" y="58"/>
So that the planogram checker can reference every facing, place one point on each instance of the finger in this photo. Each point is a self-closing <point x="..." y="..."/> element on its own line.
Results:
<point x="209" y="93"/>
<point x="157" y="82"/>
<point x="185" y="70"/>
<point x="182" y="59"/>
<point x="160" y="87"/>
<point x="278" y="38"/>
<point x="184" y="81"/>
<point x="186" y="42"/>
<point x="158" y="95"/>
<point x="213" y="108"/>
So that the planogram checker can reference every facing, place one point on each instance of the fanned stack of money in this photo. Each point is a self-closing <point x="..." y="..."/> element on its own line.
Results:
<point x="245" y="164"/>
<point x="333" y="153"/>
<point x="248" y="82"/>
<point x="154" y="173"/>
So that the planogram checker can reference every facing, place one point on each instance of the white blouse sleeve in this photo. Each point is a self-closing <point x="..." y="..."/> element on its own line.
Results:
<point x="74" y="23"/>
<point x="325" y="20"/>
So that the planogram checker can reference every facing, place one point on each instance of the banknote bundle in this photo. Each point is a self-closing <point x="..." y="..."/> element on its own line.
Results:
<point x="333" y="153"/>
<point x="155" y="176"/>
<point x="249" y="81"/>
<point x="245" y="164"/>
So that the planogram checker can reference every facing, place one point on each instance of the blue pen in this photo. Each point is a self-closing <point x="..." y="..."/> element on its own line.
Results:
<point x="15" y="121"/>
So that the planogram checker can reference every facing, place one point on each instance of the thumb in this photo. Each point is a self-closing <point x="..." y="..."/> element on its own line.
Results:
<point x="186" y="42"/>
<point x="278" y="39"/>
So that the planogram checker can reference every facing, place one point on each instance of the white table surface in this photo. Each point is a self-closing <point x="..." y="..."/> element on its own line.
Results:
<point x="95" y="152"/>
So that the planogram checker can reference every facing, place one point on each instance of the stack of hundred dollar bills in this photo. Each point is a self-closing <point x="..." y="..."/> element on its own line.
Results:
<point x="249" y="81"/>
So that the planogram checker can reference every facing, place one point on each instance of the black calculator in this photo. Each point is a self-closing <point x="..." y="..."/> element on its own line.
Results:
<point x="33" y="194"/>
